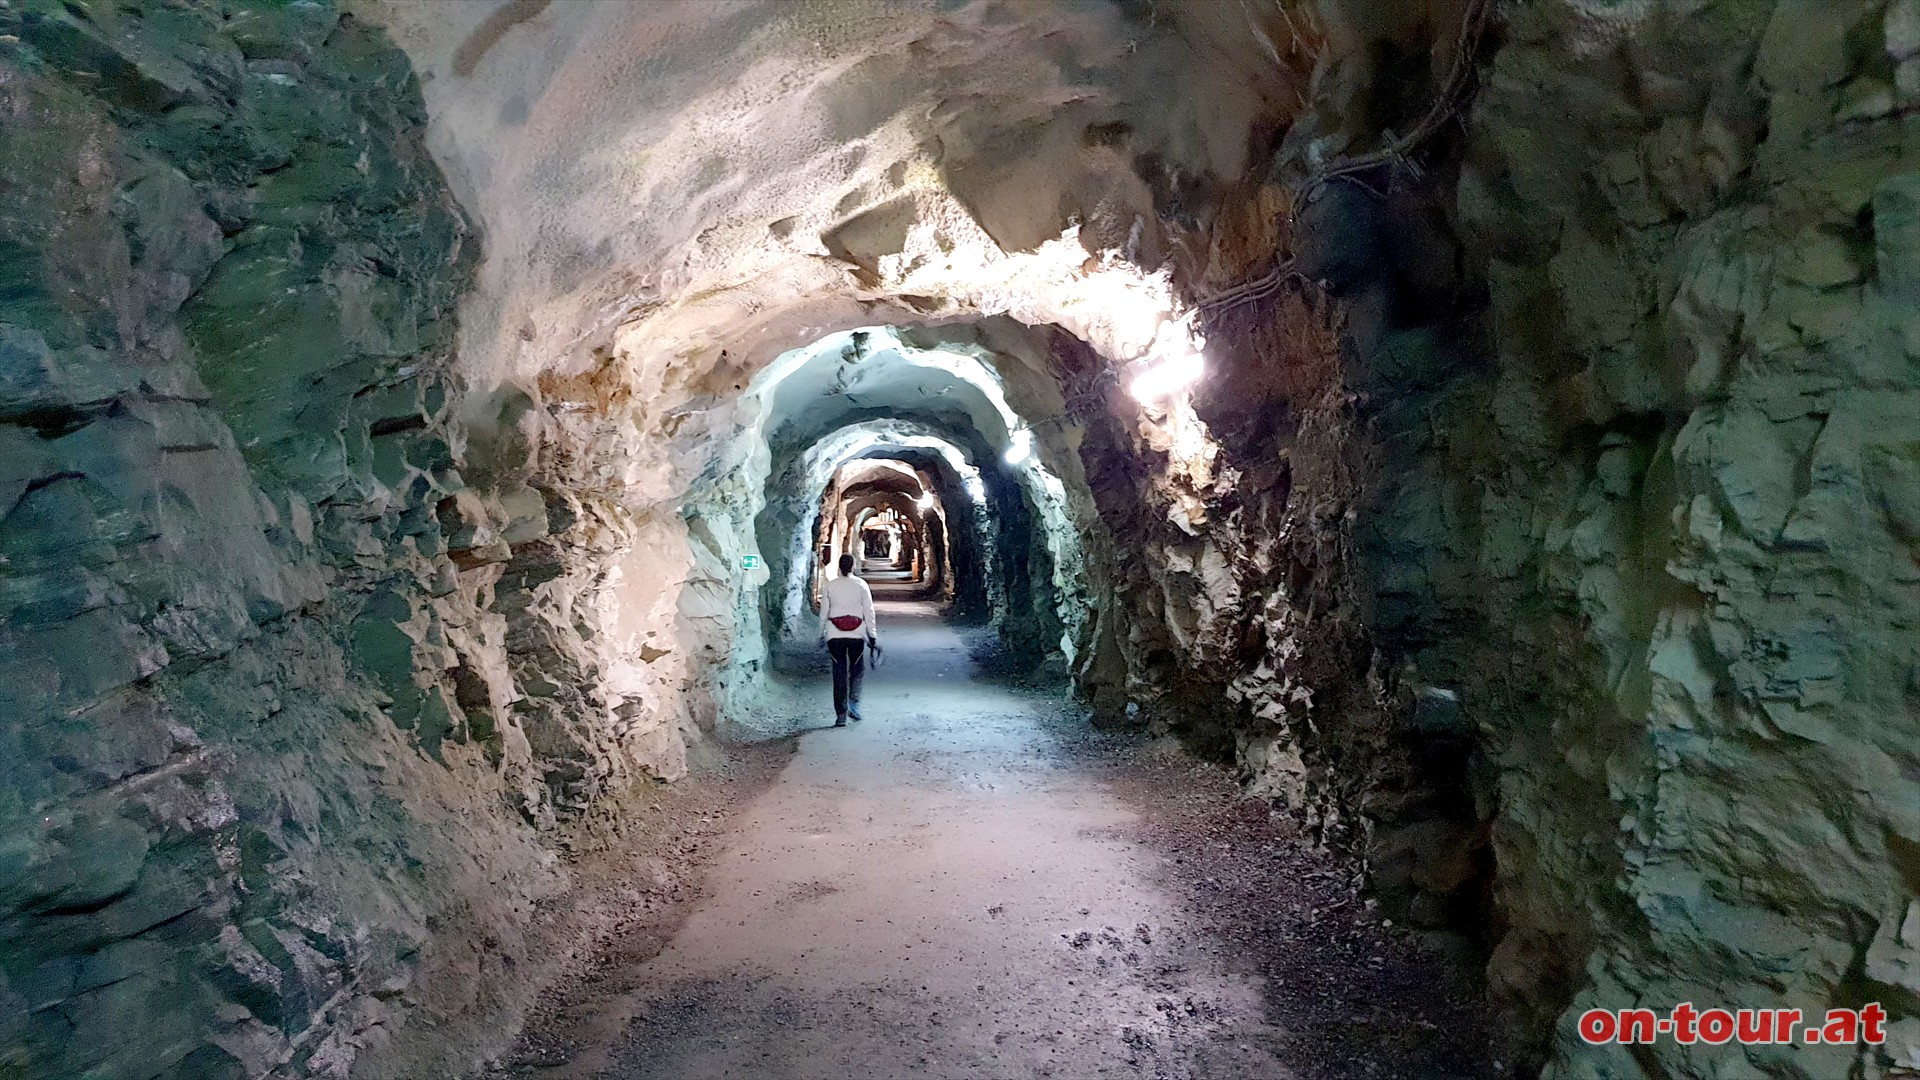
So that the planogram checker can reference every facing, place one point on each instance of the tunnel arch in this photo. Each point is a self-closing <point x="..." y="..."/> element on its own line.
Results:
<point x="660" y="232"/>
<point x="864" y="487"/>
<point x="1006" y="551"/>
<point x="384" y="462"/>
<point x="989" y="391"/>
<point x="852" y="393"/>
<point x="863" y="507"/>
<point x="958" y="493"/>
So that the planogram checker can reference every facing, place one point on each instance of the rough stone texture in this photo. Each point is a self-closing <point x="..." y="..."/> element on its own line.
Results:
<point x="1657" y="549"/>
<point x="1636" y="576"/>
<point x="390" y="631"/>
<point x="1233" y="607"/>
<point x="1550" y="535"/>
<point x="271" y="672"/>
<point x="749" y="177"/>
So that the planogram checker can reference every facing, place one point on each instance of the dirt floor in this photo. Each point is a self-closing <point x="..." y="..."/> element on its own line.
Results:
<point x="973" y="883"/>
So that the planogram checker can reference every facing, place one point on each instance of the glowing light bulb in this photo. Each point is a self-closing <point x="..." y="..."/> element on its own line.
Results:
<point x="1169" y="375"/>
<point x="925" y="501"/>
<point x="1021" y="447"/>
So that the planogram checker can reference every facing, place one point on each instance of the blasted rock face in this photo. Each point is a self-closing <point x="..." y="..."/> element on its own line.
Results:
<point x="1565" y="564"/>
<point x="241" y="780"/>
<point x="313" y="631"/>
<point x="1689" y="561"/>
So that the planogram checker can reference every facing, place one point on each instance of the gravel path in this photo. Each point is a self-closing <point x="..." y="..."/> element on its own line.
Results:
<point x="966" y="885"/>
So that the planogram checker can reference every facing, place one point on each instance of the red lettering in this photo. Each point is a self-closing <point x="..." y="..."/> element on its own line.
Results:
<point x="1874" y="1019"/>
<point x="1598" y="1026"/>
<point x="1842" y="1026"/>
<point x="1637" y="1025"/>
<point x="1683" y="1020"/>
<point x="1716" y="1026"/>
<point x="1752" y="1027"/>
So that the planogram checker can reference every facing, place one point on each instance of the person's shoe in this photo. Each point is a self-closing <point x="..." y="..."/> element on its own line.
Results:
<point x="840" y="721"/>
<point x="854" y="714"/>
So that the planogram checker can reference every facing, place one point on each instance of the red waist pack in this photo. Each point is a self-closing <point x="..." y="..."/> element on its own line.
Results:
<point x="845" y="622"/>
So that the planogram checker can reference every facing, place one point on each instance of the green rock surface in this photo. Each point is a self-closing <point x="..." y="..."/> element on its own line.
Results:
<point x="242" y="787"/>
<point x="1659" y="538"/>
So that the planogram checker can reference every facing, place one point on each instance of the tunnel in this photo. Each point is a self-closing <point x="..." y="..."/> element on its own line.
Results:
<point x="827" y="417"/>
<point x="1392" y="532"/>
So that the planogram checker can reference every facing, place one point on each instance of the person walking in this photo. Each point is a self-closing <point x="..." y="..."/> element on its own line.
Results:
<point x="846" y="625"/>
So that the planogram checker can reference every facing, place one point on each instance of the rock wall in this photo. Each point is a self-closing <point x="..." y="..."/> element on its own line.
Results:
<point x="1545" y="528"/>
<point x="1699" y="242"/>
<point x="1578" y="591"/>
<point x="280" y="689"/>
<point x="1234" y="607"/>
<point x="1640" y="520"/>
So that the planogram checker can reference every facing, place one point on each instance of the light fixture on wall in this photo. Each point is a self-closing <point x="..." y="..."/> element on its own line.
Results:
<point x="1174" y="363"/>
<point x="1020" y="447"/>
<point x="1169" y="374"/>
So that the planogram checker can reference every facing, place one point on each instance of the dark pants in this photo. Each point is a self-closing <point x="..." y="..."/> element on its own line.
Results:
<point x="849" y="667"/>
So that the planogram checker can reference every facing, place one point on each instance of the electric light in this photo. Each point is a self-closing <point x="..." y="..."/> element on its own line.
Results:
<point x="1168" y="375"/>
<point x="925" y="501"/>
<point x="1021" y="447"/>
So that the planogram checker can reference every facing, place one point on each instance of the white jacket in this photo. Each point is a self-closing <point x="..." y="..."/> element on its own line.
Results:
<point x="846" y="595"/>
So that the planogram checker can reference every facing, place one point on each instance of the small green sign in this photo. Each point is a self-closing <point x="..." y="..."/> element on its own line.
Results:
<point x="749" y="562"/>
